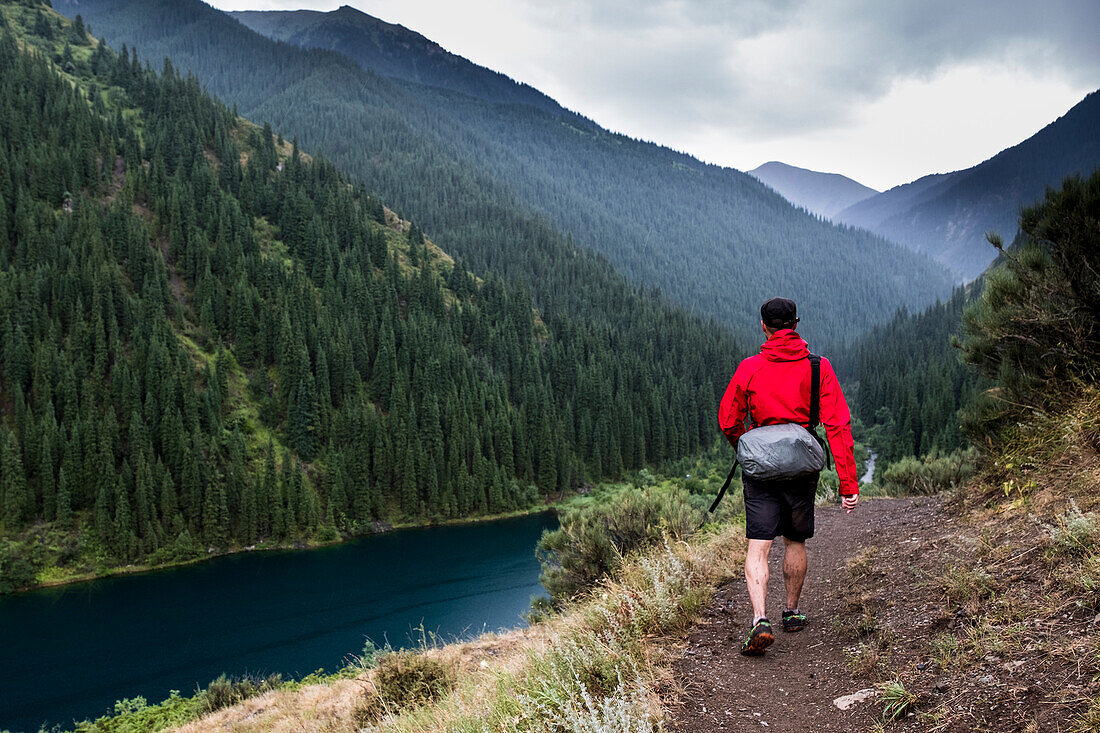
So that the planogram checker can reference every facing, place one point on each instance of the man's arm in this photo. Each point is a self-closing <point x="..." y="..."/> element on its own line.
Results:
<point x="734" y="406"/>
<point x="837" y="420"/>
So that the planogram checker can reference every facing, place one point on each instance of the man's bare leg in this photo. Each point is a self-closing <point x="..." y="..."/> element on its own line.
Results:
<point x="756" y="575"/>
<point x="794" y="571"/>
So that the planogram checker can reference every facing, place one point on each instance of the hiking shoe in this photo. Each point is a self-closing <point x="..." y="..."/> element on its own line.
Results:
<point x="760" y="638"/>
<point x="794" y="621"/>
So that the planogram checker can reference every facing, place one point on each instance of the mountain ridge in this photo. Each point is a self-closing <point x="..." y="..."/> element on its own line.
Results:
<point x="395" y="51"/>
<point x="822" y="193"/>
<point x="947" y="215"/>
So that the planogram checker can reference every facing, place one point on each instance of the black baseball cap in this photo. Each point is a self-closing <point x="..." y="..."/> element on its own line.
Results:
<point x="779" y="312"/>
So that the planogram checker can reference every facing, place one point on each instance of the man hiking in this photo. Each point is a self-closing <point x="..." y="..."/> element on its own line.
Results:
<point x="775" y="388"/>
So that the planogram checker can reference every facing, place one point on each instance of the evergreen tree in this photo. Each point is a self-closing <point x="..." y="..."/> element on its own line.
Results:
<point x="14" y="498"/>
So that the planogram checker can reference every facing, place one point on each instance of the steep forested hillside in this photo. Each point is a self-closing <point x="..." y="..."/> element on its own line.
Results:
<point x="821" y="193"/>
<point x="488" y="180"/>
<point x="948" y="215"/>
<point x="211" y="340"/>
<point x="911" y="381"/>
<point x="392" y="50"/>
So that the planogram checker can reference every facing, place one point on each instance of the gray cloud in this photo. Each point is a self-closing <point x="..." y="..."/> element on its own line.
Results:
<point x="770" y="69"/>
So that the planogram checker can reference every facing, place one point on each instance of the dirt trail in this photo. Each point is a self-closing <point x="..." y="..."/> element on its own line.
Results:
<point x="792" y="688"/>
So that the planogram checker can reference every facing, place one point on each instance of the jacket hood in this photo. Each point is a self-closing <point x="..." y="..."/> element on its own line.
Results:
<point x="785" y="345"/>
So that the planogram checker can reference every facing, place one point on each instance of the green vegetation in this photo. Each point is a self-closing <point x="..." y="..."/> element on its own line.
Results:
<point x="1034" y="329"/>
<point x="931" y="474"/>
<point x="213" y="342"/>
<point x="136" y="715"/>
<point x="604" y="527"/>
<point x="896" y="701"/>
<point x="593" y="541"/>
<point x="528" y="192"/>
<point x="911" y="383"/>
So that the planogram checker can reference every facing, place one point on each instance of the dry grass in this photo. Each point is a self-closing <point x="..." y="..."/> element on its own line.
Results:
<point x="867" y="660"/>
<point x="1017" y="586"/>
<point x="966" y="587"/>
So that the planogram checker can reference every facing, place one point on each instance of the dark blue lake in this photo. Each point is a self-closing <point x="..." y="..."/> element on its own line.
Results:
<point x="70" y="652"/>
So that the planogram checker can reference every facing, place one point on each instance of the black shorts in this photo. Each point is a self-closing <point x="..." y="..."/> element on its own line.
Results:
<point x="774" y="508"/>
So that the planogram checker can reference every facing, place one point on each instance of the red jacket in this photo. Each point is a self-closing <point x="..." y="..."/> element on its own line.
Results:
<point x="774" y="387"/>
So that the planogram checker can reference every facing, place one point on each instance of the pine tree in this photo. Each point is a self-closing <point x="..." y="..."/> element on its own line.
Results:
<point x="64" y="502"/>
<point x="215" y="516"/>
<point x="14" y="498"/>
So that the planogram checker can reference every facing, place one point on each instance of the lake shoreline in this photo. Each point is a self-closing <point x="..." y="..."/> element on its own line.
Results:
<point x="249" y="616"/>
<point x="339" y="540"/>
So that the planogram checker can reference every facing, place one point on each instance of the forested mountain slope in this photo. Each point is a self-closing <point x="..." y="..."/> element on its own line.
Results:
<point x="821" y="193"/>
<point x="911" y="381"/>
<point x="488" y="181"/>
<point x="392" y="50"/>
<point x="948" y="215"/>
<point x="210" y="340"/>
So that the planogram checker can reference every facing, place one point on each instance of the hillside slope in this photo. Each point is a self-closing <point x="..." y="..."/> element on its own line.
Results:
<point x="822" y="193"/>
<point x="484" y="178"/>
<point x="392" y="50"/>
<point x="212" y="341"/>
<point x="947" y="215"/>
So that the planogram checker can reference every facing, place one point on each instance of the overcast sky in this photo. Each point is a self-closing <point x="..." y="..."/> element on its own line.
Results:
<point x="884" y="91"/>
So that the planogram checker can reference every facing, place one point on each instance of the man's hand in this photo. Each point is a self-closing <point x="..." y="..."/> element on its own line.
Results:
<point x="849" y="502"/>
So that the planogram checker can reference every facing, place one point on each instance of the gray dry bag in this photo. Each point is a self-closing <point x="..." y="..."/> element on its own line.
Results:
<point x="776" y="452"/>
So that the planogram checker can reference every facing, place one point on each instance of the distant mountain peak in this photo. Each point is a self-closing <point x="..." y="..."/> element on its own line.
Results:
<point x="821" y="193"/>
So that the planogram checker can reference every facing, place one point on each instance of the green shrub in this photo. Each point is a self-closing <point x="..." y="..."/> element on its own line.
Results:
<point x="592" y="540"/>
<point x="373" y="654"/>
<point x="403" y="680"/>
<point x="1074" y="534"/>
<point x="929" y="475"/>
<point x="896" y="701"/>
<point x="226" y="691"/>
<point x="135" y="715"/>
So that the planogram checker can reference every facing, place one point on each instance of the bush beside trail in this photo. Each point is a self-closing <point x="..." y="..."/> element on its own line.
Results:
<point x="929" y="475"/>
<point x="593" y="540"/>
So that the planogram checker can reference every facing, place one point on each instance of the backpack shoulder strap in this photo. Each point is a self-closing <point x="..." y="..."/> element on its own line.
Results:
<point x="815" y="406"/>
<point x="815" y="391"/>
<point x="722" y="491"/>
